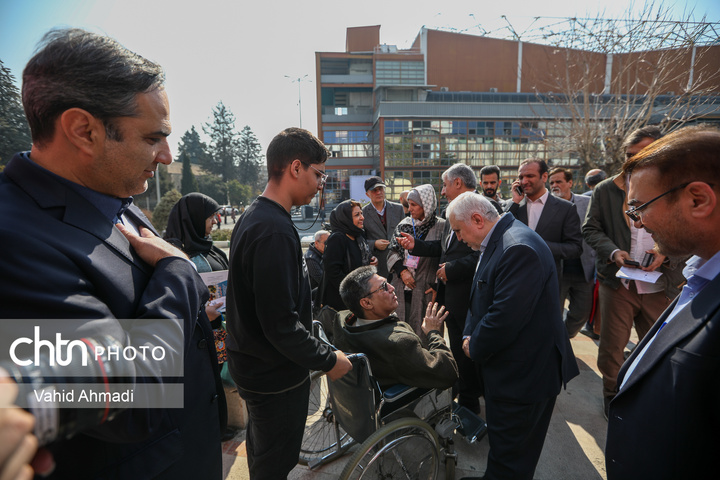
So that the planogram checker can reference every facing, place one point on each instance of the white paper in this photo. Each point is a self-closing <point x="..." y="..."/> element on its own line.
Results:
<point x="638" y="274"/>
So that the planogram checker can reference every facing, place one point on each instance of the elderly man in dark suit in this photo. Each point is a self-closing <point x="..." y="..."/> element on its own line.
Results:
<point x="663" y="422"/>
<point x="554" y="219"/>
<point x="74" y="247"/>
<point x="457" y="267"/>
<point x="381" y="218"/>
<point x="514" y="333"/>
<point x="578" y="276"/>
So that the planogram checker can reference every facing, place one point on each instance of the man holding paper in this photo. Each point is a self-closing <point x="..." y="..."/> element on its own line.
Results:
<point x="619" y="244"/>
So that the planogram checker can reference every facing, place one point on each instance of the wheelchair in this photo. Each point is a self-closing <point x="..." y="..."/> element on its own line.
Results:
<point x="402" y="432"/>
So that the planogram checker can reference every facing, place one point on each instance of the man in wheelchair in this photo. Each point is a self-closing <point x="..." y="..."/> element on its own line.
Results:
<point x="396" y="353"/>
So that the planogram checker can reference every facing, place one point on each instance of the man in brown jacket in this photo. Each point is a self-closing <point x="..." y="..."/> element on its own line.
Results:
<point x="396" y="353"/>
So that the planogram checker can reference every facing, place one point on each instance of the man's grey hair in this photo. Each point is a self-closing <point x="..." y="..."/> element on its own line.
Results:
<point x="74" y="68"/>
<point x="319" y="234"/>
<point x="355" y="286"/>
<point x="463" y="207"/>
<point x="463" y="172"/>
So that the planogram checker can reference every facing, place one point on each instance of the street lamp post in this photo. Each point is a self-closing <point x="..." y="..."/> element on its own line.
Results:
<point x="298" y="80"/>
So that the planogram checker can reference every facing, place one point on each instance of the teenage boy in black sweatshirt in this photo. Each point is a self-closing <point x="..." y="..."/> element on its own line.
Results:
<point x="269" y="318"/>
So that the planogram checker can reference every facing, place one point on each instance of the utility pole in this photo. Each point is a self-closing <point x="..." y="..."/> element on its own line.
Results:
<point x="298" y="80"/>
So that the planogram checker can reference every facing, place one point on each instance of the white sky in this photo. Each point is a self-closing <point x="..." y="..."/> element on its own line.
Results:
<point x="239" y="52"/>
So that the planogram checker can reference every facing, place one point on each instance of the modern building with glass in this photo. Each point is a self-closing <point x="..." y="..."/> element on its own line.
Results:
<point x="407" y="115"/>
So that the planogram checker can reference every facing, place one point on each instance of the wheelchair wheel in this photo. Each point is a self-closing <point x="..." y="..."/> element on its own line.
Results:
<point x="321" y="437"/>
<point x="404" y="449"/>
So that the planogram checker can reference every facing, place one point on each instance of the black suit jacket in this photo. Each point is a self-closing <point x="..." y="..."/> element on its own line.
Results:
<point x="664" y="422"/>
<point x="514" y="323"/>
<point x="62" y="259"/>
<point x="460" y="262"/>
<point x="374" y="230"/>
<point x="559" y="226"/>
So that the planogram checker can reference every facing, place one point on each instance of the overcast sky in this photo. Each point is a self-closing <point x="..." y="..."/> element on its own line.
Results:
<point x="240" y="52"/>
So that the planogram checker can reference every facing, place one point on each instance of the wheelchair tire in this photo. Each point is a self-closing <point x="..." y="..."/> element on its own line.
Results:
<point x="320" y="438"/>
<point x="405" y="448"/>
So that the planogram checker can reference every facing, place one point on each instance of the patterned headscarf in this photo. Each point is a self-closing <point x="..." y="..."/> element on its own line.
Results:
<point x="424" y="195"/>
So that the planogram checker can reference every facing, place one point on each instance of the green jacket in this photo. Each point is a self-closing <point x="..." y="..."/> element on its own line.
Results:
<point x="606" y="229"/>
<point x="396" y="353"/>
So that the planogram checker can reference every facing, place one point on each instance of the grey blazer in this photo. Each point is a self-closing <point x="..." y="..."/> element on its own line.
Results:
<point x="374" y="230"/>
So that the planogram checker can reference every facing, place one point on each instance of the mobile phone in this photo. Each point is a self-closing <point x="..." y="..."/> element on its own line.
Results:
<point x="519" y="189"/>
<point x="632" y="263"/>
<point x="647" y="259"/>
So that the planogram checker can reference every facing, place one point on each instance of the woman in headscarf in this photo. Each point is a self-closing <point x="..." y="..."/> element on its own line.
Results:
<point x="189" y="227"/>
<point x="416" y="276"/>
<point x="345" y="250"/>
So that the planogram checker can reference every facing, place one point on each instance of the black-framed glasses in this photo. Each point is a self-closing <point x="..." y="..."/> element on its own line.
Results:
<point x="323" y="176"/>
<point x="634" y="212"/>
<point x="383" y="286"/>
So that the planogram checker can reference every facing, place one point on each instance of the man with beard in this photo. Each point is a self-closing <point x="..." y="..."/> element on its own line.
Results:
<point x="554" y="219"/>
<point x="669" y="391"/>
<point x="624" y="303"/>
<point x="490" y="181"/>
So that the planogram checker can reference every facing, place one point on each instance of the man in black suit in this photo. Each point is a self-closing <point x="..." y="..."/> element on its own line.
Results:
<point x="381" y="218"/>
<point x="554" y="219"/>
<point x="74" y="247"/>
<point x="457" y="266"/>
<point x="663" y="422"/>
<point x="514" y="333"/>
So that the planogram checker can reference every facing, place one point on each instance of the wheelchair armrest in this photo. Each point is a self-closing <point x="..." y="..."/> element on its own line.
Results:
<point x="396" y="391"/>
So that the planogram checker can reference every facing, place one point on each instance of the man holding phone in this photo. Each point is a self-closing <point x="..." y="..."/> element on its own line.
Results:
<point x="553" y="218"/>
<point x="619" y="244"/>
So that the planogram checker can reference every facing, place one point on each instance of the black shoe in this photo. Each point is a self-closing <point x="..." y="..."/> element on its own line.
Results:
<point x="590" y="333"/>
<point x="229" y="434"/>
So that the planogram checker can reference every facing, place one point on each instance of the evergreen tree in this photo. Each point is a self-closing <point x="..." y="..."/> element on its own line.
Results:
<point x="189" y="183"/>
<point x="14" y="130"/>
<point x="223" y="149"/>
<point x="250" y="158"/>
<point x="213" y="186"/>
<point x="193" y="147"/>
<point x="162" y="211"/>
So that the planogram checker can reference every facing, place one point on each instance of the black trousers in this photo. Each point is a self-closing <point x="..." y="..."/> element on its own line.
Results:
<point x="516" y="432"/>
<point x="275" y="431"/>
<point x="469" y="386"/>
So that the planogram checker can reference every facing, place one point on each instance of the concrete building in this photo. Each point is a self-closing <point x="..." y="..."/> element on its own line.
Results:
<point x="407" y="115"/>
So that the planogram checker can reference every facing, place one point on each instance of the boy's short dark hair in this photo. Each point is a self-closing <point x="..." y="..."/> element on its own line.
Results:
<point x="290" y="144"/>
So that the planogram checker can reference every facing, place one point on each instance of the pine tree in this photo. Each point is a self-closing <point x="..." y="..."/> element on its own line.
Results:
<point x="250" y="158"/>
<point x="223" y="149"/>
<point x="14" y="130"/>
<point x="193" y="147"/>
<point x="188" y="183"/>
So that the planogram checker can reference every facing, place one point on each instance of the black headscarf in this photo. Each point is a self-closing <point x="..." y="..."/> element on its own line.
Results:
<point x="186" y="228"/>
<point x="341" y="220"/>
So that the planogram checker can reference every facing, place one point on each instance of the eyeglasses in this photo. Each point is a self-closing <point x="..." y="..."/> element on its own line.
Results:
<point x="634" y="212"/>
<point x="322" y="178"/>
<point x="383" y="286"/>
